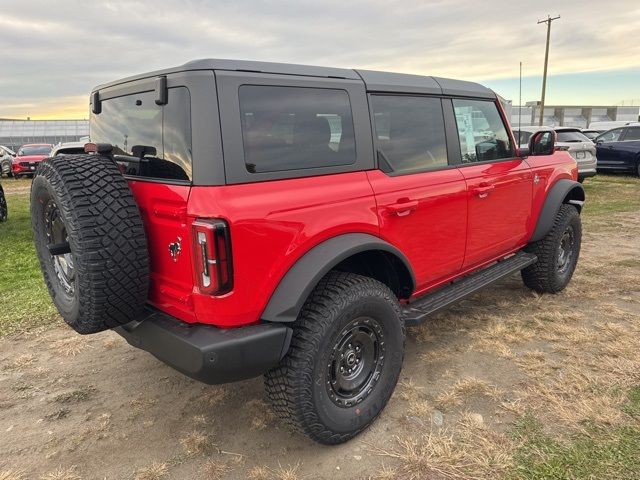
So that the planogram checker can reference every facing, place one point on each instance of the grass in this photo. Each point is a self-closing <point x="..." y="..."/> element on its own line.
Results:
<point x="24" y="300"/>
<point x="601" y="453"/>
<point x="608" y="194"/>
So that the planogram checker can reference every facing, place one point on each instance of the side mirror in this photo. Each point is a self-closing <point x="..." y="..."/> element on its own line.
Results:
<point x="542" y="143"/>
<point x="599" y="141"/>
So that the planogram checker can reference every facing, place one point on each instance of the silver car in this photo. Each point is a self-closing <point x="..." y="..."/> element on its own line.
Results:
<point x="570" y="139"/>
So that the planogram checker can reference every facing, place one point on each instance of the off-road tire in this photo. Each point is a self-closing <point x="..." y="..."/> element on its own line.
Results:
<point x="4" y="210"/>
<point x="107" y="241"/>
<point x="544" y="276"/>
<point x="297" y="388"/>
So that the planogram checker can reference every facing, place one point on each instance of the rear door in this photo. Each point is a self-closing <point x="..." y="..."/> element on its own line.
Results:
<point x="607" y="148"/>
<point x="499" y="184"/>
<point x="420" y="195"/>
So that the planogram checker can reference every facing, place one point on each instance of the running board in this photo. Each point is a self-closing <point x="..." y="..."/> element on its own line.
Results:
<point x="418" y="311"/>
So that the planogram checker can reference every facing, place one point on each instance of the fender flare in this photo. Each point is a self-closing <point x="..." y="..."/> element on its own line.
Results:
<point x="557" y="195"/>
<point x="297" y="284"/>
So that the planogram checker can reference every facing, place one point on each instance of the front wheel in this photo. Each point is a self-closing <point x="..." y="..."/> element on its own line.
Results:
<point x="557" y="253"/>
<point x="344" y="361"/>
<point x="4" y="211"/>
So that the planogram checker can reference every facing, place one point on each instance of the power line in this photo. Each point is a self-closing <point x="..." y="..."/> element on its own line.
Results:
<point x="546" y="61"/>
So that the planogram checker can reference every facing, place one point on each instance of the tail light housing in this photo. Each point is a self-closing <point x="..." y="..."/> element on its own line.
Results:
<point x="562" y="148"/>
<point x="212" y="256"/>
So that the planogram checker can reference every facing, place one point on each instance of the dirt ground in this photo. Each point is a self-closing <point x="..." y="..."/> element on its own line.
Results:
<point x="93" y="407"/>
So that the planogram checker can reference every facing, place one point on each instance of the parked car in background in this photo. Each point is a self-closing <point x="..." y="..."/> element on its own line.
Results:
<point x="619" y="149"/>
<point x="604" y="126"/>
<point x="28" y="157"/>
<point x="570" y="139"/>
<point x="6" y="155"/>
<point x="591" y="134"/>
<point x="68" y="148"/>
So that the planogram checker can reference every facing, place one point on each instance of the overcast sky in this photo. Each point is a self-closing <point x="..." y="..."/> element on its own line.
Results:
<point x="53" y="52"/>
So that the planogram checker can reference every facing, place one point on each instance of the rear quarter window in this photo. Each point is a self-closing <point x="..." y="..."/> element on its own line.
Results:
<point x="295" y="128"/>
<point x="149" y="140"/>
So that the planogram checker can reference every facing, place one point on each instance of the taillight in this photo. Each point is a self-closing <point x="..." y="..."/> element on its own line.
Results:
<point x="563" y="148"/>
<point x="212" y="256"/>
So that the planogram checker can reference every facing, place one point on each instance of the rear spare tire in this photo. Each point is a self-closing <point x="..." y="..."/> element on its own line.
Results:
<point x="90" y="241"/>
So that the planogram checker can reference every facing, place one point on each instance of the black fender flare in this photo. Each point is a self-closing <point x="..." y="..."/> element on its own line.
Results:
<point x="296" y="285"/>
<point x="563" y="191"/>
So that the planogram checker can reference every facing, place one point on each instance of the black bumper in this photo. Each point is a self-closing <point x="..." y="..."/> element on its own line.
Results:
<point x="206" y="353"/>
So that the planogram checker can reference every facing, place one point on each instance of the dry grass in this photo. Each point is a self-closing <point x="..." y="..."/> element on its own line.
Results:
<point x="258" y="473"/>
<point x="155" y="471"/>
<point x="22" y="361"/>
<point x="70" y="347"/>
<point x="196" y="443"/>
<point x="12" y="475"/>
<point x="69" y="473"/>
<point x="215" y="469"/>
<point x="469" y="451"/>
<point x="261" y="414"/>
<point x="214" y="396"/>
<point x="464" y="388"/>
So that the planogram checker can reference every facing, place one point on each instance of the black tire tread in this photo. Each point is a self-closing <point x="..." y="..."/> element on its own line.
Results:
<point x="541" y="275"/>
<point x="288" y="386"/>
<point x="107" y="237"/>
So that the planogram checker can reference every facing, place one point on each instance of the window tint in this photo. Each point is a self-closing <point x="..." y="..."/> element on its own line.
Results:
<point x="483" y="136"/>
<point x="135" y="126"/>
<point x="34" y="150"/>
<point x="571" y="136"/>
<point x="610" y="136"/>
<point x="410" y="132"/>
<point x="292" y="128"/>
<point x="632" y="134"/>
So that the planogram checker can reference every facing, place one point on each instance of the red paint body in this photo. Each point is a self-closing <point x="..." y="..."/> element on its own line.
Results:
<point x="442" y="221"/>
<point x="19" y="163"/>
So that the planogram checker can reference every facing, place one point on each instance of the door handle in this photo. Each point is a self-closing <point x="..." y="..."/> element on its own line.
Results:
<point x="483" y="190"/>
<point x="402" y="209"/>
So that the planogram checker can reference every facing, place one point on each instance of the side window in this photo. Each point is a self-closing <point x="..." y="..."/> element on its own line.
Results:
<point x="410" y="132"/>
<point x="483" y="136"/>
<point x="149" y="140"/>
<point x="610" y="136"/>
<point x="292" y="128"/>
<point x="522" y="137"/>
<point x="632" y="134"/>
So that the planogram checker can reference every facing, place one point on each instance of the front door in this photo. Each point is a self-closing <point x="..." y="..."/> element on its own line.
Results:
<point x="421" y="200"/>
<point x="606" y="149"/>
<point x="499" y="184"/>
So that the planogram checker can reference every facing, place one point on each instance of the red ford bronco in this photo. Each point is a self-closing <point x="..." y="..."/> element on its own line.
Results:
<point x="241" y="218"/>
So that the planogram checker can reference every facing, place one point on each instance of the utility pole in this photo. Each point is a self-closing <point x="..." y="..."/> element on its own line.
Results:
<point x="546" y="61"/>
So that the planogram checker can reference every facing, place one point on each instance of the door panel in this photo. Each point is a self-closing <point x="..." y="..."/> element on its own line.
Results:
<point x="499" y="202"/>
<point x="424" y="215"/>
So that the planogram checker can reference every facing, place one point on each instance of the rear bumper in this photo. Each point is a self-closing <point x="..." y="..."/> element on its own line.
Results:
<point x="207" y="353"/>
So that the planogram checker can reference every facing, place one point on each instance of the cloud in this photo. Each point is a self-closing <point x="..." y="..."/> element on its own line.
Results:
<point x="57" y="51"/>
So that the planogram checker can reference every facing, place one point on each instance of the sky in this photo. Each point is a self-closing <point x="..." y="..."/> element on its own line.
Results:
<point x="53" y="52"/>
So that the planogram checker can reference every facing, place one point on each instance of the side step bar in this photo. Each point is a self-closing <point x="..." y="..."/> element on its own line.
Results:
<point x="418" y="311"/>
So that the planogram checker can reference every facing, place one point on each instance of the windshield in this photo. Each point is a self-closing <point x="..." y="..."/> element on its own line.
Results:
<point x="34" y="150"/>
<point x="571" y="136"/>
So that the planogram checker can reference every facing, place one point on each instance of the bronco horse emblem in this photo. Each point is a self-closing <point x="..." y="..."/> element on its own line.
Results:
<point x="175" y="248"/>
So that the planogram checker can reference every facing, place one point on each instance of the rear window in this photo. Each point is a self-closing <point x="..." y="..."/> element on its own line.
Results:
<point x="410" y="132"/>
<point x="294" y="128"/>
<point x="571" y="136"/>
<point x="35" y="150"/>
<point x="149" y="140"/>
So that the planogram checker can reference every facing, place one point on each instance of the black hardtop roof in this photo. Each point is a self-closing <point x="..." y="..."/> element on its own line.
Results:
<point x="375" y="81"/>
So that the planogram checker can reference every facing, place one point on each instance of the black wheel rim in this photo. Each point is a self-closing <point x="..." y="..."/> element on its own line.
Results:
<point x="565" y="250"/>
<point x="61" y="258"/>
<point x="356" y="362"/>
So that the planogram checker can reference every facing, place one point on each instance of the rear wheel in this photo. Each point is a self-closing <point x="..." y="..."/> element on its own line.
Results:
<point x="90" y="241"/>
<point x="557" y="253"/>
<point x="344" y="361"/>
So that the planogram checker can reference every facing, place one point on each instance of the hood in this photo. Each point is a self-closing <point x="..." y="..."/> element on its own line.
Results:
<point x="30" y="158"/>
